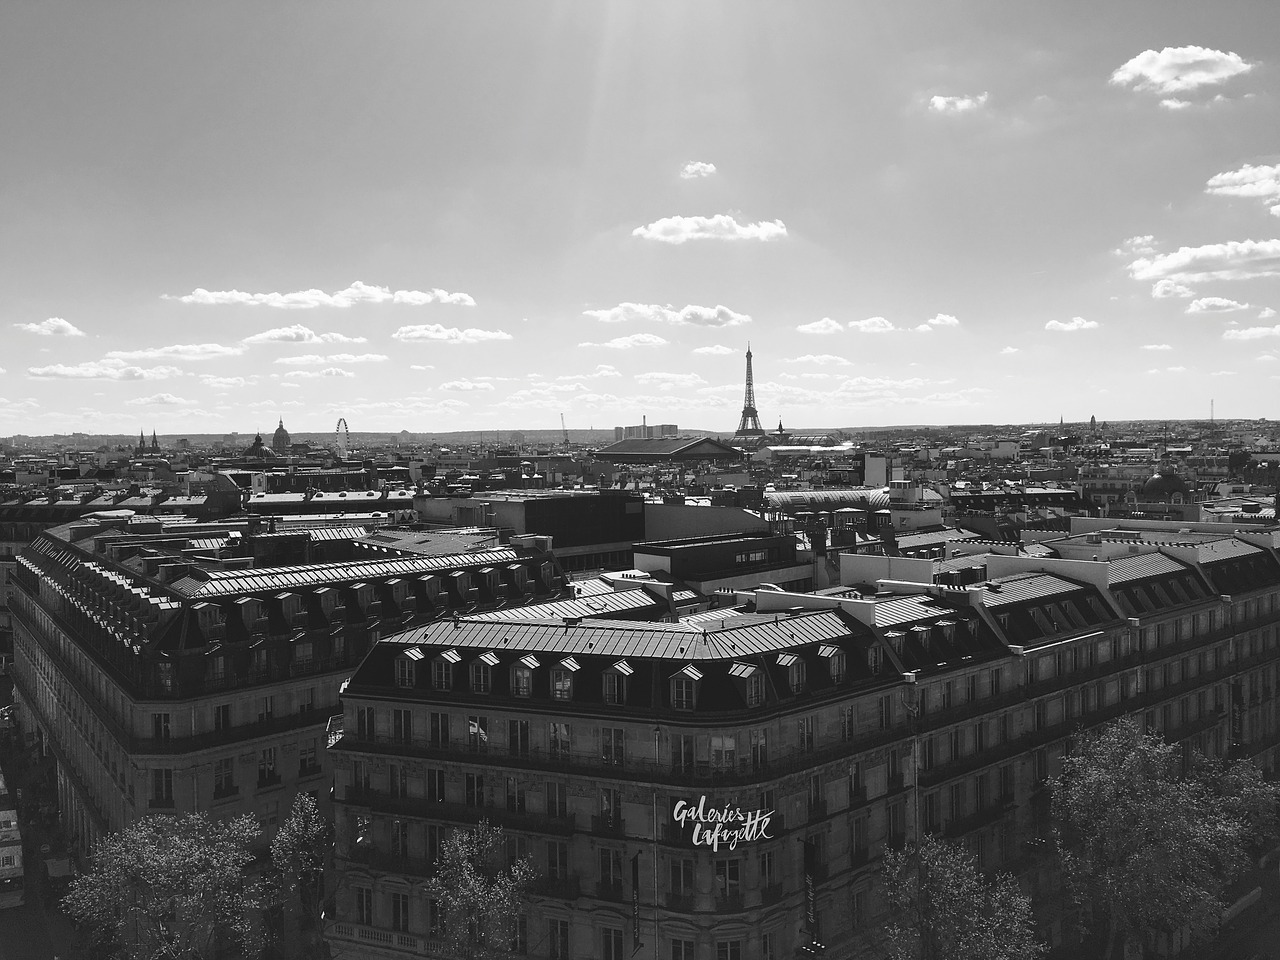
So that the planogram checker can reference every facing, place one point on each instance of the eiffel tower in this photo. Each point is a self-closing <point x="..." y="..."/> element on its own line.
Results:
<point x="749" y="425"/>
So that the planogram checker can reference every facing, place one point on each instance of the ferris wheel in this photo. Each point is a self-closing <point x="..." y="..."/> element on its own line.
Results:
<point x="341" y="438"/>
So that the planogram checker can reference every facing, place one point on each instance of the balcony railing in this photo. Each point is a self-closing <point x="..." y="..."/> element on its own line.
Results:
<point x="729" y="902"/>
<point x="612" y="825"/>
<point x="561" y="888"/>
<point x="380" y="801"/>
<point x="370" y="855"/>
<point x="681" y="902"/>
<point x="413" y="943"/>
<point x="610" y="890"/>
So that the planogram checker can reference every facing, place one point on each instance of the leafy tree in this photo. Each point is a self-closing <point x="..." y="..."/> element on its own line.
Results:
<point x="1146" y="848"/>
<point x="299" y="854"/>
<point x="479" y="893"/>
<point x="170" y="888"/>
<point x="945" y="909"/>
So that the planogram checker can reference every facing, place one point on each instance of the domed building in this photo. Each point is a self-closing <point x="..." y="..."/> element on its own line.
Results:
<point x="1164" y="487"/>
<point x="280" y="441"/>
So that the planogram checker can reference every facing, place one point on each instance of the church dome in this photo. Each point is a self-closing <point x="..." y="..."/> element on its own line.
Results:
<point x="280" y="441"/>
<point x="1163" y="486"/>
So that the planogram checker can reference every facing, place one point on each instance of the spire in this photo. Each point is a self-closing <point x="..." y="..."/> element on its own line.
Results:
<point x="749" y="424"/>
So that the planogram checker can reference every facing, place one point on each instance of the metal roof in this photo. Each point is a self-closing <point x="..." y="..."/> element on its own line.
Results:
<point x="1141" y="566"/>
<point x="1034" y="586"/>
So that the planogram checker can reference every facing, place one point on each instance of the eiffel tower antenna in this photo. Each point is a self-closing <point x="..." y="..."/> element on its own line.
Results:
<point x="749" y="424"/>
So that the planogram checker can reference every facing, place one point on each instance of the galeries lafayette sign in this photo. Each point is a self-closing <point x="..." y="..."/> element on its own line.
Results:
<point x="726" y="824"/>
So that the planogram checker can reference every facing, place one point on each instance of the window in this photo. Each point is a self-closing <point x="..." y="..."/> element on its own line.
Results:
<point x="755" y="689"/>
<point x="364" y="906"/>
<point x="224" y="777"/>
<point x="612" y="750"/>
<point x="165" y="673"/>
<point x="948" y="695"/>
<point x="804" y="733"/>
<point x="681" y="752"/>
<point x="768" y="868"/>
<point x="1042" y="715"/>
<point x="724" y="754"/>
<point x="478" y="734"/>
<point x="515" y="795"/>
<point x="441" y="674"/>
<point x="520" y="936"/>
<point x="956" y="744"/>
<point x="399" y="838"/>
<point x="728" y="950"/>
<point x="406" y="675"/>
<point x="474" y="795"/>
<point x="971" y="688"/>
<point x="435" y="840"/>
<point x="557" y="860"/>
<point x="270" y="814"/>
<point x="160" y="729"/>
<point x="682" y="876"/>
<point x="402" y="726"/>
<point x="439" y="729"/>
<point x="558" y="939"/>
<point x="610" y="806"/>
<point x="858" y="908"/>
<point x="398" y="780"/>
<point x="683" y="693"/>
<point x="795" y="678"/>
<point x="561" y="684"/>
<point x="611" y="944"/>
<point x="518" y="738"/>
<point x="435" y="785"/>
<point x="929" y="812"/>
<point x="365" y="723"/>
<point x="615" y="688"/>
<point x="521" y="681"/>
<point x="846" y="723"/>
<point x="559" y="741"/>
<point x="682" y="950"/>
<point x="839" y="666"/>
<point x="217" y="670"/>
<point x="222" y="717"/>
<point x="728" y="877"/>
<point x="400" y="911"/>
<point x="308" y="759"/>
<point x="302" y="651"/>
<point x="307" y="700"/>
<point x="759" y="749"/>
<point x="267" y="774"/>
<point x="995" y="682"/>
<point x="266" y="709"/>
<point x="886" y="712"/>
<point x="480" y="677"/>
<point x="162" y="787"/>
<point x="857" y="787"/>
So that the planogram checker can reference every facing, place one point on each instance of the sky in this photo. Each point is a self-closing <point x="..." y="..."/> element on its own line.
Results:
<point x="434" y="216"/>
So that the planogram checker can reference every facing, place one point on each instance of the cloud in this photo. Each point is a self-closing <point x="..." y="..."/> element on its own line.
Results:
<point x="824" y="326"/>
<point x="695" y="169"/>
<point x="943" y="320"/>
<point x="326" y="372"/>
<point x="1008" y="351"/>
<point x="627" y="343"/>
<point x="1072" y="325"/>
<point x="421" y="366"/>
<point x="1138" y="245"/>
<point x="1261" y="183"/>
<point x="1266" y="313"/>
<point x="107" y="369"/>
<point x="53" y="327"/>
<point x="715" y="350"/>
<point x="871" y="325"/>
<point x="669" y="381"/>
<point x="961" y="104"/>
<point x="691" y="315"/>
<point x="307" y="359"/>
<point x="1168" y="370"/>
<point x="1223" y="373"/>
<point x="297" y="333"/>
<point x="178" y="351"/>
<point x="1215" y="305"/>
<point x="1265" y="358"/>
<point x="1178" y="69"/>
<point x="1173" y="103"/>
<point x="1156" y="346"/>
<point x="157" y="400"/>
<point x="225" y="383"/>
<point x="601" y="370"/>
<point x="358" y="292"/>
<point x="1163" y="289"/>
<point x="1251" y="333"/>
<point x="1233" y="260"/>
<point x="434" y="332"/>
<point x="466" y="385"/>
<point x="679" y="230"/>
<point x="821" y="359"/>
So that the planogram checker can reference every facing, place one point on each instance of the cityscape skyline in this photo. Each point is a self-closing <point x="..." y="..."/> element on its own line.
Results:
<point x="433" y="219"/>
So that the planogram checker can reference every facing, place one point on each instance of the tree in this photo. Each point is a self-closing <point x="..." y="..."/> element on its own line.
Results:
<point x="945" y="909"/>
<point x="1146" y="848"/>
<point x="170" y="888"/>
<point x="479" y="893"/>
<point x="299" y="854"/>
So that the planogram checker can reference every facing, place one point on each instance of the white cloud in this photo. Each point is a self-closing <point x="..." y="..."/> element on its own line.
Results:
<point x="312" y="359"/>
<point x="1008" y="351"/>
<point x="53" y="327"/>
<point x="1072" y="325"/>
<point x="157" y="400"/>
<point x="601" y="370"/>
<point x="679" y="230"/>
<point x="1138" y="245"/>
<point x="1233" y="260"/>
<point x="715" y="350"/>
<point x="1168" y="370"/>
<point x="297" y="333"/>
<point x="421" y="366"/>
<point x="358" y="292"/>
<point x="179" y="351"/>
<point x="326" y="372"/>
<point x="824" y="326"/>
<point x="1178" y="69"/>
<point x="1251" y="333"/>
<point x="107" y="369"/>
<point x="1156" y="346"/>
<point x="1223" y="373"/>
<point x="434" y="332"/>
<point x="821" y="359"/>
<point x="627" y="343"/>
<point x="466" y="385"/>
<point x="1261" y="183"/>
<point x="1163" y="289"/>
<point x="691" y="315"/>
<point x="1265" y="358"/>
<point x="871" y="325"/>
<point x="225" y="383"/>
<point x="669" y="381"/>
<point x="1173" y="103"/>
<point x="1266" y="313"/>
<point x="943" y="320"/>
<point x="695" y="169"/>
<point x="1215" y="305"/>
<point x="960" y="104"/>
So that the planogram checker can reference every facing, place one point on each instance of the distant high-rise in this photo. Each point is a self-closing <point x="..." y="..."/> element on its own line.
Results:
<point x="749" y="423"/>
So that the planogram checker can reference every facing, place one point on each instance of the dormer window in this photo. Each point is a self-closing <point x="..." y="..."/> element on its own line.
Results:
<point x="482" y="673"/>
<point x="875" y="660"/>
<point x="407" y="667"/>
<point x="836" y="661"/>
<point x="753" y="679"/>
<point x="795" y="671"/>
<point x="615" y="683"/>
<point x="562" y="679"/>
<point x="522" y="676"/>
<point x="442" y="670"/>
<point x="684" y="688"/>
